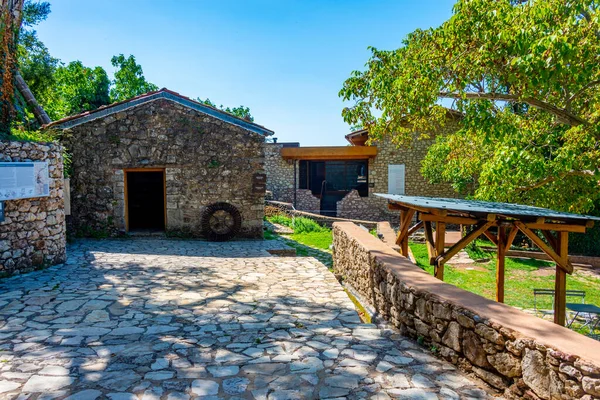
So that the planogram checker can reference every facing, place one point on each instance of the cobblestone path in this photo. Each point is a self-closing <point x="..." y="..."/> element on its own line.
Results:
<point x="150" y="319"/>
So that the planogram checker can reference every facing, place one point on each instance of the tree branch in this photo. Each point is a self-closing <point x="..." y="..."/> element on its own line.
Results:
<point x="563" y="115"/>
<point x="583" y="89"/>
<point x="554" y="178"/>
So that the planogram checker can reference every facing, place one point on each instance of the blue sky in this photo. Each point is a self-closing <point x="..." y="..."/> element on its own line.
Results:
<point x="285" y="59"/>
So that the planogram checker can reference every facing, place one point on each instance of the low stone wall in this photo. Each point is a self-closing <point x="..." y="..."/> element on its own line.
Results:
<point x="371" y="208"/>
<point x="33" y="232"/>
<point x="306" y="201"/>
<point x="517" y="353"/>
<point x="275" y="207"/>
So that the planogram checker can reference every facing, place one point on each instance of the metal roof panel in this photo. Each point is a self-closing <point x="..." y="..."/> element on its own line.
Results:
<point x="484" y="207"/>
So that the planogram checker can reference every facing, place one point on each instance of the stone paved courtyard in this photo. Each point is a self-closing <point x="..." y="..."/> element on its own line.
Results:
<point x="150" y="319"/>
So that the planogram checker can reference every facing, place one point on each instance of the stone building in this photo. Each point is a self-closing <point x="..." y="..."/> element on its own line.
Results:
<point x="341" y="181"/>
<point x="157" y="161"/>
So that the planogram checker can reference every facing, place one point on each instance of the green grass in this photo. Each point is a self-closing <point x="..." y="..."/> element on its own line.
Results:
<point x="298" y="224"/>
<point x="320" y="240"/>
<point x="520" y="279"/>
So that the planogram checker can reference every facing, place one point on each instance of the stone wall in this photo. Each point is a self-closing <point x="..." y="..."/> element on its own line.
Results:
<point x="280" y="173"/>
<point x="205" y="159"/>
<point x="371" y="208"/>
<point x="515" y="352"/>
<point x="306" y="201"/>
<point x="33" y="232"/>
<point x="411" y="155"/>
<point x="277" y="207"/>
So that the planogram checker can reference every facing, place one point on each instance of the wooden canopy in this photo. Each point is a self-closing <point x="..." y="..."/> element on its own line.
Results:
<point x="507" y="219"/>
<point x="329" y="153"/>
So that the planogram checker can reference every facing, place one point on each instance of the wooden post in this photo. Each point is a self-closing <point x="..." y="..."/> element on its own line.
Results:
<point x="560" y="285"/>
<point x="440" y="241"/>
<point x="400" y="239"/>
<point x="430" y="243"/>
<point x="500" y="264"/>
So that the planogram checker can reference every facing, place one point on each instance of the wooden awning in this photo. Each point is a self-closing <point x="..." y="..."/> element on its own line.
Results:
<point x="329" y="153"/>
<point x="505" y="219"/>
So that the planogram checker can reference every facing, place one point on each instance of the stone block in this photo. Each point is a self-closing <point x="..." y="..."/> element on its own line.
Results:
<point x="452" y="337"/>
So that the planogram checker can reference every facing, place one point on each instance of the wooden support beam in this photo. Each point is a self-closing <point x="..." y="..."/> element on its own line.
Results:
<point x="402" y="239"/>
<point x="440" y="239"/>
<point x="415" y="228"/>
<point x="560" y="283"/>
<point x="396" y="207"/>
<point x="556" y="227"/>
<point x="429" y="242"/>
<point x="491" y="236"/>
<point x="564" y="264"/>
<point x="449" y="219"/>
<point x="502" y="240"/>
<point x="401" y="206"/>
<point x="551" y="239"/>
<point x="511" y="238"/>
<point x="463" y="242"/>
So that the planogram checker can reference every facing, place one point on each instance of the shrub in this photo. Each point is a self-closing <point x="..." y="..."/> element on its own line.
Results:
<point x="299" y="224"/>
<point x="281" y="220"/>
<point x="305" y="225"/>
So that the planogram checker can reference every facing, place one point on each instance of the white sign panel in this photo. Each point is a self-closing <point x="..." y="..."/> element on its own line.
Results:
<point x="22" y="180"/>
<point x="396" y="178"/>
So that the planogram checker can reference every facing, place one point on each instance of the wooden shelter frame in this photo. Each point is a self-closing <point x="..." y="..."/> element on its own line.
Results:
<point x="433" y="220"/>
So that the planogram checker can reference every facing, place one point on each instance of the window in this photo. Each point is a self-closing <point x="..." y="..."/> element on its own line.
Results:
<point x="396" y="179"/>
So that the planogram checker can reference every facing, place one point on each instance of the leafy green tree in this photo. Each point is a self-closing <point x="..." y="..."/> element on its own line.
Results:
<point x="129" y="79"/>
<point x="240" y="112"/>
<point x="77" y="89"/>
<point x="526" y="77"/>
<point x="36" y="65"/>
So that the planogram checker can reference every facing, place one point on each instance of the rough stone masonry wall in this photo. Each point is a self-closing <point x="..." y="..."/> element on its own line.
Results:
<point x="33" y="232"/>
<point x="411" y="155"/>
<point x="517" y="353"/>
<point x="205" y="159"/>
<point x="280" y="173"/>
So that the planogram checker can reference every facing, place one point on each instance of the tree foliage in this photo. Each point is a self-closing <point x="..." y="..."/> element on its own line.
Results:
<point x="36" y="65"/>
<point x="78" y="88"/>
<point x="240" y="112"/>
<point x="129" y="79"/>
<point x="526" y="77"/>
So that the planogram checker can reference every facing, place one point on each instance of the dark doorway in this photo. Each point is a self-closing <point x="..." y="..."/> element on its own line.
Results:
<point x="332" y="180"/>
<point x="146" y="200"/>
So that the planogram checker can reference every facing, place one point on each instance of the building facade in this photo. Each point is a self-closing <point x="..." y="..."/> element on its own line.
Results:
<point x="342" y="181"/>
<point x="156" y="162"/>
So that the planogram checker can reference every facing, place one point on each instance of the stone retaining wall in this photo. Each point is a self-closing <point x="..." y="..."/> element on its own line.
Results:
<point x="517" y="353"/>
<point x="33" y="232"/>
<point x="278" y="207"/>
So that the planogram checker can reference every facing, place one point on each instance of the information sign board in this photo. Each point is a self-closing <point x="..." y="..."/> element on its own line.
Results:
<point x="22" y="180"/>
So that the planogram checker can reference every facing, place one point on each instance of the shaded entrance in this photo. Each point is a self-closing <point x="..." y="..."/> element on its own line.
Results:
<point x="332" y="180"/>
<point x="145" y="200"/>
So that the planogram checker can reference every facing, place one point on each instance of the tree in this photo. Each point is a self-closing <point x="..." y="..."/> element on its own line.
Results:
<point x="129" y="79"/>
<point x="240" y="112"/>
<point x="78" y="88"/>
<point x="526" y="77"/>
<point x="10" y="23"/>
<point x="36" y="65"/>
